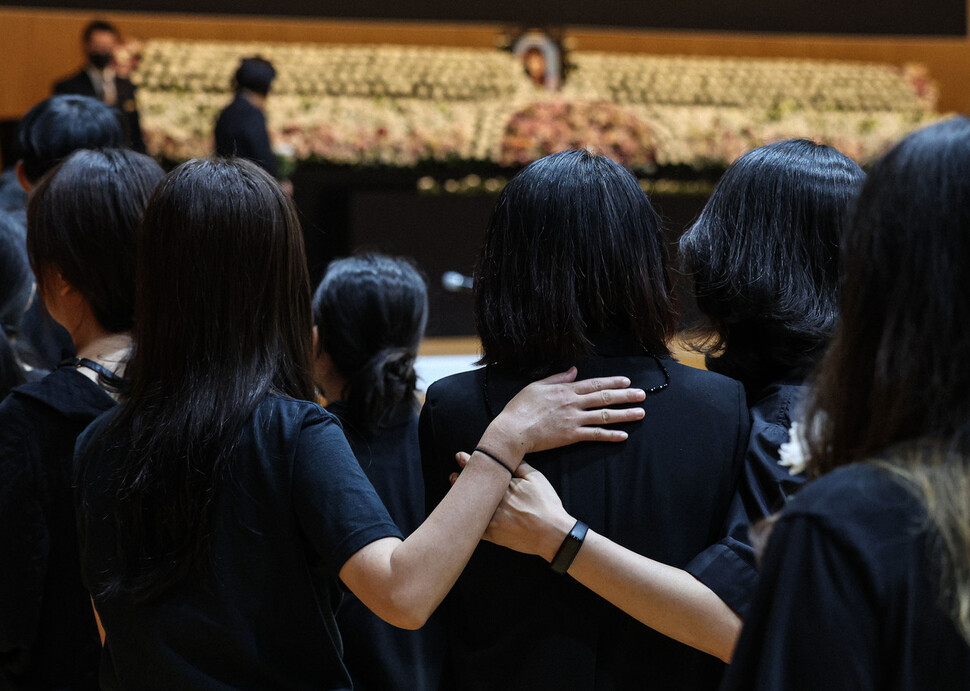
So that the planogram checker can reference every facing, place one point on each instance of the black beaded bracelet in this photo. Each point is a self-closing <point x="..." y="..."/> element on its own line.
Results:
<point x="495" y="458"/>
<point x="569" y="548"/>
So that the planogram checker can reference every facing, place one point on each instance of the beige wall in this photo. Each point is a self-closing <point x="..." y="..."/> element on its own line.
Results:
<point x="39" y="46"/>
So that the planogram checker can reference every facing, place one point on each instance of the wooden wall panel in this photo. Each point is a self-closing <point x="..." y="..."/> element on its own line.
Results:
<point x="39" y="46"/>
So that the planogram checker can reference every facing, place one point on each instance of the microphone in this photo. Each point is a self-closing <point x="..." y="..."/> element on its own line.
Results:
<point x="454" y="282"/>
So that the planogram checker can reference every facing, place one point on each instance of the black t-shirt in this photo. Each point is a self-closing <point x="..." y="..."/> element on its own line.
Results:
<point x="297" y="507"/>
<point x="381" y="657"/>
<point x="849" y="596"/>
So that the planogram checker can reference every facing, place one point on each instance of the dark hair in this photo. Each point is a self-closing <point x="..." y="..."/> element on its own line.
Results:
<point x="98" y="25"/>
<point x="897" y="365"/>
<point x="222" y="319"/>
<point x="573" y="249"/>
<point x="370" y="312"/>
<point x="16" y="283"/>
<point x="255" y="74"/>
<point x="81" y="222"/>
<point x="895" y="385"/>
<point x="764" y="260"/>
<point x="60" y="125"/>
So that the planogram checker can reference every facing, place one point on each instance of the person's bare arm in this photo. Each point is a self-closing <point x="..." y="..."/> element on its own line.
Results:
<point x="531" y="519"/>
<point x="403" y="582"/>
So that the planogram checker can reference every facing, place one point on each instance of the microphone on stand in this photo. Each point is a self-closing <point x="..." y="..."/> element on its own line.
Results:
<point x="454" y="282"/>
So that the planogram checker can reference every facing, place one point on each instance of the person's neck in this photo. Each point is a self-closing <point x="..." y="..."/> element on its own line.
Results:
<point x="257" y="100"/>
<point x="110" y="350"/>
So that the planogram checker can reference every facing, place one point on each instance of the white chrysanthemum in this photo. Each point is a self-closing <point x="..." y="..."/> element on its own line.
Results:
<point x="793" y="454"/>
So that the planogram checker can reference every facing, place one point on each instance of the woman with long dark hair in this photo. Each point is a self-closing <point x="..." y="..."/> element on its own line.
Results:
<point x="573" y="270"/>
<point x="218" y="506"/>
<point x="369" y="314"/>
<point x="81" y="222"/>
<point x="764" y="258"/>
<point x="866" y="577"/>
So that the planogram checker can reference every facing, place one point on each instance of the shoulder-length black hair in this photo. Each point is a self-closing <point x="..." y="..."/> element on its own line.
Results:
<point x="81" y="223"/>
<point x="574" y="248"/>
<point x="763" y="255"/>
<point x="222" y="319"/>
<point x="895" y="385"/>
<point x="370" y="312"/>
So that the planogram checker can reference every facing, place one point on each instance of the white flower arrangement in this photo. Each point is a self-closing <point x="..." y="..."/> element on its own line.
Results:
<point x="401" y="106"/>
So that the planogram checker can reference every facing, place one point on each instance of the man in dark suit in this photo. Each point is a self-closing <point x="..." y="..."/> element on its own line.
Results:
<point x="99" y="78"/>
<point x="241" y="127"/>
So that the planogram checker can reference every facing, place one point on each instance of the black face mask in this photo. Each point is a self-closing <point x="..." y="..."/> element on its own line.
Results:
<point x="99" y="60"/>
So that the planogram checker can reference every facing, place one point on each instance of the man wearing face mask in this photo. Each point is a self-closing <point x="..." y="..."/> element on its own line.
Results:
<point x="98" y="78"/>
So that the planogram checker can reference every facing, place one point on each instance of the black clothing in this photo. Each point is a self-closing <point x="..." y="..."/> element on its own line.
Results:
<point x="48" y="636"/>
<point x="728" y="568"/>
<point x="514" y="624"/>
<point x="296" y="507"/>
<point x="849" y="595"/>
<point x="82" y="84"/>
<point x="381" y="657"/>
<point x="241" y="131"/>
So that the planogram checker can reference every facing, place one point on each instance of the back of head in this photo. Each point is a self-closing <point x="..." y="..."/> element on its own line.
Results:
<point x="573" y="250"/>
<point x="763" y="255"/>
<point x="99" y="25"/>
<point x="223" y="292"/>
<point x="16" y="280"/>
<point x="222" y="319"/>
<point x="81" y="223"/>
<point x="16" y="284"/>
<point x="255" y="74"/>
<point x="60" y="125"/>
<point x="897" y="366"/>
<point x="370" y="312"/>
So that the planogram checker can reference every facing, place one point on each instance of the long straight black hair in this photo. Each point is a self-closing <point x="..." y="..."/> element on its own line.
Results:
<point x="896" y="372"/>
<point x="573" y="248"/>
<point x="222" y="319"/>
<point x="763" y="255"/>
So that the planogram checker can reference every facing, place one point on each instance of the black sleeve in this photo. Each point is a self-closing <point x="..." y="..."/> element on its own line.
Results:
<point x="728" y="567"/>
<point x="336" y="505"/>
<point x="813" y="623"/>
<point x="24" y="537"/>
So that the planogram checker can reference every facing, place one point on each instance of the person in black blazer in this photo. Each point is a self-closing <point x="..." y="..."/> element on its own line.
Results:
<point x="573" y="271"/>
<point x="99" y="79"/>
<point x="241" y="127"/>
<point x="764" y="258"/>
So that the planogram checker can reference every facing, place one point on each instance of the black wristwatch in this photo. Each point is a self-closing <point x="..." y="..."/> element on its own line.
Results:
<point x="569" y="548"/>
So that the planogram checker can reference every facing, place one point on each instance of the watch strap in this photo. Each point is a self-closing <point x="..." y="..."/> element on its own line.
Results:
<point x="569" y="548"/>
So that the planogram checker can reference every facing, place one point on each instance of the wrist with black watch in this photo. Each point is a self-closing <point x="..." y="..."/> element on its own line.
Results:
<point x="569" y="548"/>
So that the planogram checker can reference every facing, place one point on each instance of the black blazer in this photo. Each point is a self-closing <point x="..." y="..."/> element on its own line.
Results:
<point x="664" y="493"/>
<point x="241" y="131"/>
<point x="82" y="85"/>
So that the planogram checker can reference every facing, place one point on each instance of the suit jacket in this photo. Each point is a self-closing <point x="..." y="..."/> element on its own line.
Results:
<point x="241" y="131"/>
<point x="82" y="85"/>
<point x="665" y="493"/>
